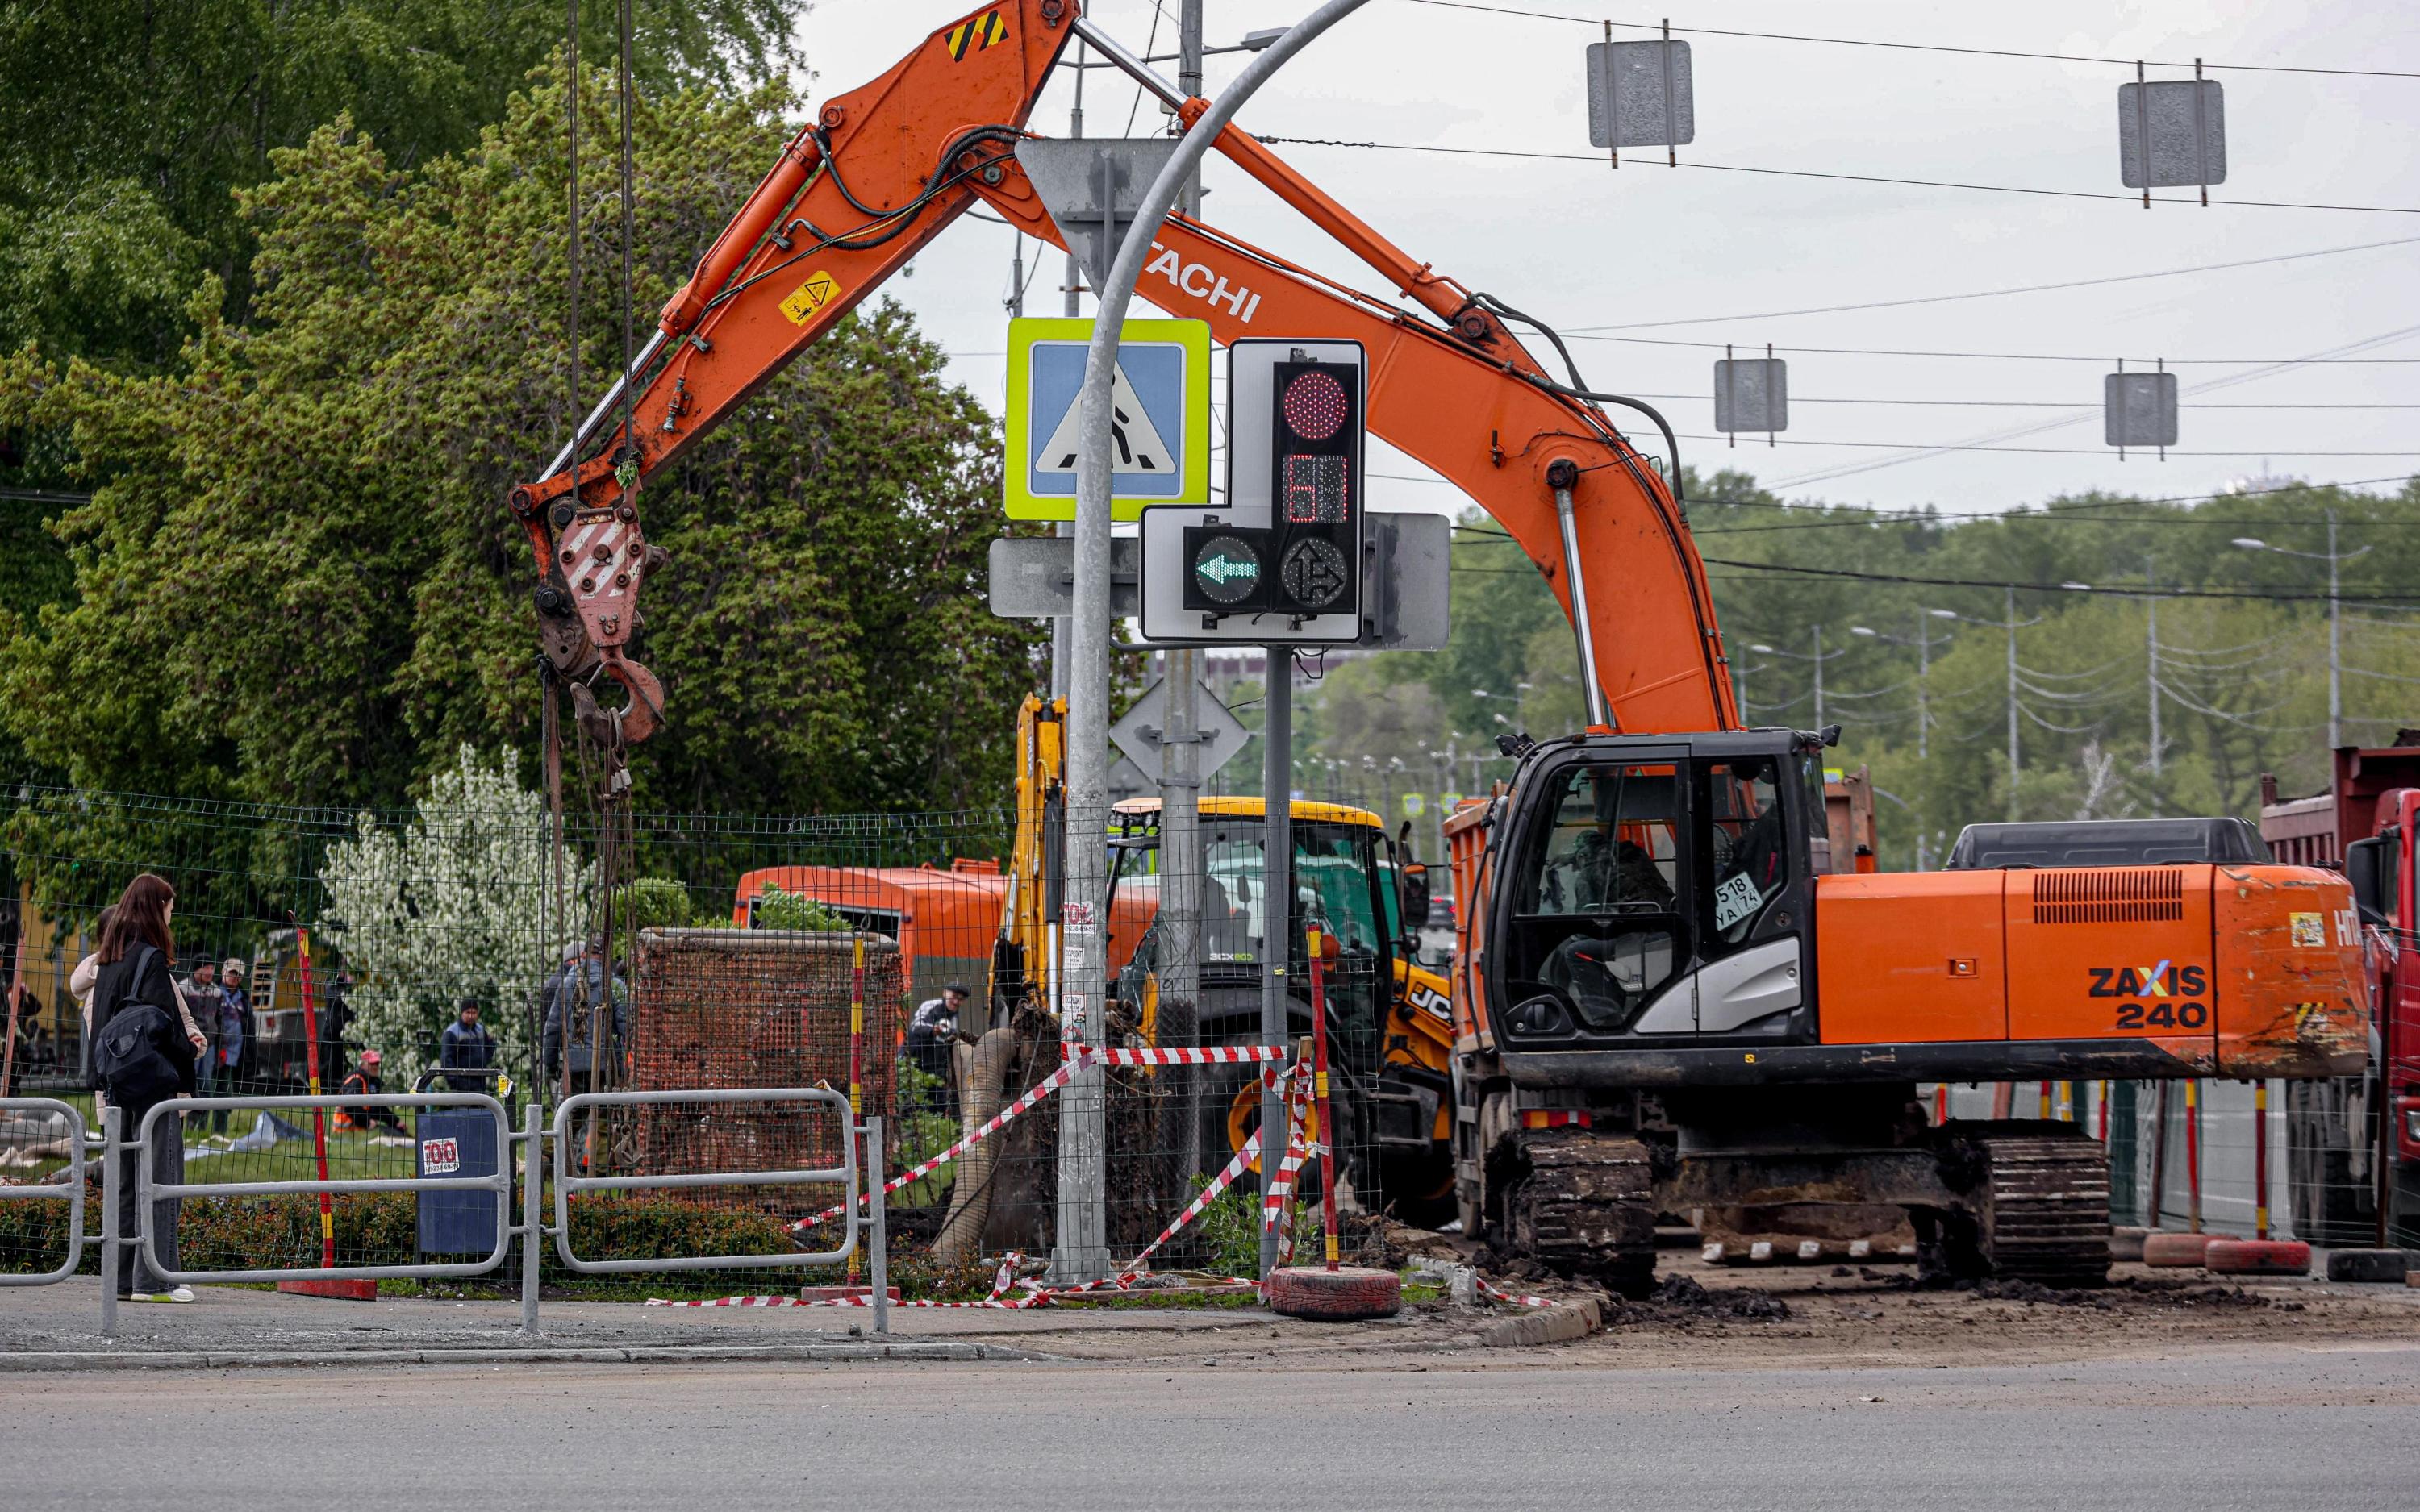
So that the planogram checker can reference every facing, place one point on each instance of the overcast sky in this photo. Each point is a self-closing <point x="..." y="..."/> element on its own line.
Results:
<point x="1581" y="246"/>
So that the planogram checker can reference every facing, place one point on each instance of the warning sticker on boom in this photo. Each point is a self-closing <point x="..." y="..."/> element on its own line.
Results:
<point x="820" y="289"/>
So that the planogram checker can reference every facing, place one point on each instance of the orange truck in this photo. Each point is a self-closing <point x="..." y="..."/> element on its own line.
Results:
<point x="1665" y="993"/>
<point x="945" y="919"/>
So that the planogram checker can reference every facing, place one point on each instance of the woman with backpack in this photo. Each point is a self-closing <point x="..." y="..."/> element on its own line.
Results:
<point x="144" y="1053"/>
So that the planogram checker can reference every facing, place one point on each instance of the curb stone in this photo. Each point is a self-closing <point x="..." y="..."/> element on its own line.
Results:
<point x="1559" y="1324"/>
<point x="70" y="1359"/>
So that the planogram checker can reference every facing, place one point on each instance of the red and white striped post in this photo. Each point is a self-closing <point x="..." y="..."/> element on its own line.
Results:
<point x="857" y="1070"/>
<point x="1319" y="944"/>
<point x="318" y="1116"/>
<point x="2192" y="1152"/>
<point x="2261" y="1159"/>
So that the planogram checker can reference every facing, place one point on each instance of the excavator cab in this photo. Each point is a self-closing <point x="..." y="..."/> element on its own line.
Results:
<point x="1654" y="889"/>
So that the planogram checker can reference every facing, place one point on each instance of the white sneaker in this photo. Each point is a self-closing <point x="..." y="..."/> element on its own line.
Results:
<point x="179" y="1294"/>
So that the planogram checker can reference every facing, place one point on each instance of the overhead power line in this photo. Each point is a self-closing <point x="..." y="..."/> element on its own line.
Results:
<point x="2227" y="381"/>
<point x="1598" y="162"/>
<point x="2101" y="359"/>
<point x="2055" y="512"/>
<point x="2045" y="451"/>
<point x="2002" y="293"/>
<point x="1788" y="570"/>
<point x="1918" y="47"/>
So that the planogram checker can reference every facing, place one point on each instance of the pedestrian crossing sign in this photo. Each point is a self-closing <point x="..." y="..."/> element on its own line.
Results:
<point x="1159" y="424"/>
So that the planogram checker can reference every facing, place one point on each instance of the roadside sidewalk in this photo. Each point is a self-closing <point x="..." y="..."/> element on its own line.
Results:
<point x="57" y="1328"/>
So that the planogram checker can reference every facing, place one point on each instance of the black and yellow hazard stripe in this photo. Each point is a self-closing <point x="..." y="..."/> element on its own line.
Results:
<point x="980" y="32"/>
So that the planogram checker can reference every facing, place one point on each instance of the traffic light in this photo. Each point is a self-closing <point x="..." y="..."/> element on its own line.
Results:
<point x="1315" y="487"/>
<point x="1281" y="558"/>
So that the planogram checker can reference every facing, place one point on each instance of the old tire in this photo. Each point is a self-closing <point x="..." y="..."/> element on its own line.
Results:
<point x="2387" y="1265"/>
<point x="2257" y="1256"/>
<point x="2182" y="1252"/>
<point x="1339" y="1296"/>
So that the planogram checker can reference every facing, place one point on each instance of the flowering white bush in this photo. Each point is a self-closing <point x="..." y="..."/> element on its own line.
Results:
<point x="452" y="905"/>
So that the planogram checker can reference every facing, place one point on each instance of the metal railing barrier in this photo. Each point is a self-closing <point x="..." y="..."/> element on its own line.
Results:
<point x="859" y="1174"/>
<point x="149" y="1189"/>
<point x="845" y="1175"/>
<point x="73" y="1193"/>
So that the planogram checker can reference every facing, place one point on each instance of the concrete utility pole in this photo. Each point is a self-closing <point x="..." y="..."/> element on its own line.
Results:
<point x="2013" y="703"/>
<point x="2335" y="560"/>
<point x="2336" y="643"/>
<point x="1180" y="771"/>
<point x="1080" y="1251"/>
<point x="2152" y="644"/>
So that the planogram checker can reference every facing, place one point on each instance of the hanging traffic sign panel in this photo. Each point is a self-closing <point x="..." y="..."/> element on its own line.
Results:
<point x="1159" y="421"/>
<point x="2138" y="409"/>
<point x="1751" y="393"/>
<point x="1639" y="96"/>
<point x="2184" y="120"/>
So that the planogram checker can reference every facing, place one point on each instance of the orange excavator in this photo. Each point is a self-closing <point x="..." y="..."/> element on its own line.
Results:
<point x="1665" y="997"/>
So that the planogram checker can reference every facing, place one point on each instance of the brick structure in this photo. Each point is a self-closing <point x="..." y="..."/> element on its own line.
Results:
<point x="720" y="1007"/>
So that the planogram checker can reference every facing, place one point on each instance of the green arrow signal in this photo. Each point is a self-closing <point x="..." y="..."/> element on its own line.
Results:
<point x="1218" y="569"/>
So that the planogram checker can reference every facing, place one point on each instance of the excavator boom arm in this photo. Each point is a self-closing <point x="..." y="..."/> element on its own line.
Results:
<point x="883" y="170"/>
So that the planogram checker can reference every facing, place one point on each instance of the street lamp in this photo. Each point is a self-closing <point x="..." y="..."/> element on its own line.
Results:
<point x="2334" y="560"/>
<point x="1923" y="644"/>
<point x="2013" y="624"/>
<point x="1817" y="659"/>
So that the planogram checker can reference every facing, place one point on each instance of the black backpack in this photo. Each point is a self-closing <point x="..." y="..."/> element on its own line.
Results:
<point x="133" y="1068"/>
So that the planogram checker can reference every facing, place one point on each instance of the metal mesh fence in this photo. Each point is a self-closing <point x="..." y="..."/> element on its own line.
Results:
<point x="467" y="944"/>
<point x="2185" y="1154"/>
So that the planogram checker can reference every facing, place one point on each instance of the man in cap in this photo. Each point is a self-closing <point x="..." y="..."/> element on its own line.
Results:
<point x="365" y="1082"/>
<point x="235" y="1024"/>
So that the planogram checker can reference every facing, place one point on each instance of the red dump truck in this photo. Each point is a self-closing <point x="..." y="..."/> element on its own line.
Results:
<point x="2355" y="1141"/>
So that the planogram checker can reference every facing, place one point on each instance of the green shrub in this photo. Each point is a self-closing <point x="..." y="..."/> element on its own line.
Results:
<point x="660" y="902"/>
<point x="777" y="909"/>
<point x="382" y="1229"/>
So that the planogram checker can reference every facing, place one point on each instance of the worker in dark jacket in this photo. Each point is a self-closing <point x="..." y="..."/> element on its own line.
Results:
<point x="135" y="951"/>
<point x="580" y="993"/>
<point x="468" y="1047"/>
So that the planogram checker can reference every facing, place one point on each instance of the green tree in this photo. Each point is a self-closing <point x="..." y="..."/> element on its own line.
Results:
<point x="125" y="129"/>
<point x="295" y="581"/>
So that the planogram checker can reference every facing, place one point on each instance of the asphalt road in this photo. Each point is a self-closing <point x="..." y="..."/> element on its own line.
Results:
<point x="2271" y="1427"/>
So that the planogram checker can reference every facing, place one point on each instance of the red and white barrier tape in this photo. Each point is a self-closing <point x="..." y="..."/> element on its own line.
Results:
<point x="1174" y="1056"/>
<point x="1298" y="1150"/>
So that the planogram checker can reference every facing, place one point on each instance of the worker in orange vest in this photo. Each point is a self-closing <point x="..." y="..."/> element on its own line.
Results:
<point x="365" y="1082"/>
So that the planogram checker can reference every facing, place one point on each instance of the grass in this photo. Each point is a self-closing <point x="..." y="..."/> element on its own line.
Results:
<point x="352" y="1154"/>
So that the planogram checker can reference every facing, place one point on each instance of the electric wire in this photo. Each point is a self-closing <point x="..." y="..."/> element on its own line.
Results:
<point x="2227" y="380"/>
<point x="1915" y="46"/>
<point x="1844" y="177"/>
<point x="2001" y="293"/>
<point x="2100" y="359"/>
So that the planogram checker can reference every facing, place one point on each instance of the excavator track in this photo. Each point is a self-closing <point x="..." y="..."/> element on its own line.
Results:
<point x="2040" y="1206"/>
<point x="1580" y="1202"/>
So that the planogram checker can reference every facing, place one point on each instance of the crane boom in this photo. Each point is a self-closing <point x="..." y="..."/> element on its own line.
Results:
<point x="883" y="170"/>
